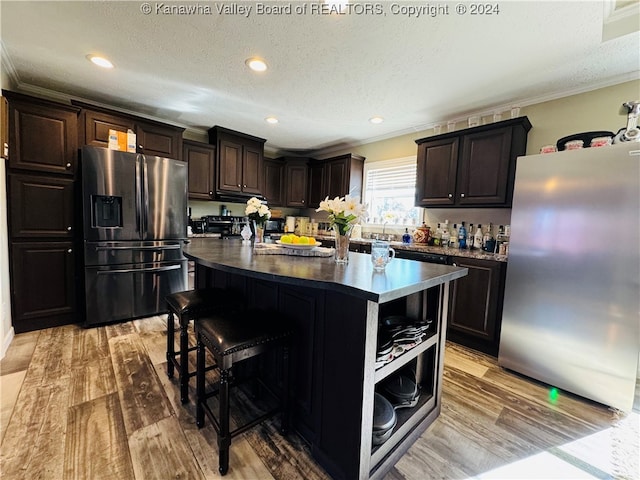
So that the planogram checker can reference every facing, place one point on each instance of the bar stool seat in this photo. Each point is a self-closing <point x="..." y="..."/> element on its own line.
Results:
<point x="232" y="338"/>
<point x="187" y="306"/>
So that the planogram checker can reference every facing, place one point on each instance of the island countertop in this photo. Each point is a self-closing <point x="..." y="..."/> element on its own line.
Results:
<point x="402" y="277"/>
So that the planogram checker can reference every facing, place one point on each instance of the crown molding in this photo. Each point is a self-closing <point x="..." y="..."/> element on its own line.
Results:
<point x="505" y="107"/>
<point x="7" y="65"/>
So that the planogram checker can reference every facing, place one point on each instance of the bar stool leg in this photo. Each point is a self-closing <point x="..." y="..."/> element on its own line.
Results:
<point x="224" y="439"/>
<point x="184" y="361"/>
<point x="200" y="386"/>
<point x="170" y="345"/>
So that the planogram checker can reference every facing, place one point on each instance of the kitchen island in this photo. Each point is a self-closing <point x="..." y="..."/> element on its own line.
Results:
<point x="336" y="310"/>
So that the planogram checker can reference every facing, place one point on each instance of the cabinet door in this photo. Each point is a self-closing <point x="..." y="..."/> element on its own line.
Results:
<point x="316" y="184"/>
<point x="43" y="137"/>
<point x="162" y="141"/>
<point x="41" y="206"/>
<point x="252" y="170"/>
<point x="98" y="124"/>
<point x="201" y="160"/>
<point x="484" y="167"/>
<point x="336" y="178"/>
<point x="273" y="176"/>
<point x="230" y="166"/>
<point x="436" y="172"/>
<point x="297" y="185"/>
<point x="476" y="304"/>
<point x="43" y="284"/>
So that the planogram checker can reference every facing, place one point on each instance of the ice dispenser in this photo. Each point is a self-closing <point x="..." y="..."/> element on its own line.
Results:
<point x="107" y="211"/>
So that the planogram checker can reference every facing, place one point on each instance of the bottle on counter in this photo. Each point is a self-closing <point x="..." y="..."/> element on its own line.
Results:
<point x="406" y="238"/>
<point x="500" y="239"/>
<point x="437" y="236"/>
<point x="477" y="238"/>
<point x="470" y="237"/>
<point x="462" y="237"/>
<point x="453" y="237"/>
<point x="488" y="243"/>
<point x="446" y="237"/>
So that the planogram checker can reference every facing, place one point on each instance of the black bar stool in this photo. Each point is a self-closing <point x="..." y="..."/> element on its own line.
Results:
<point x="189" y="305"/>
<point x="231" y="339"/>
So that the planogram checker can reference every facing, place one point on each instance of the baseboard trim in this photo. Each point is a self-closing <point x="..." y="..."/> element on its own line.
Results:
<point x="8" y="338"/>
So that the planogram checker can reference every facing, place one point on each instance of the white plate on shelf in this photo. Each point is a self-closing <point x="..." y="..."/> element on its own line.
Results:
<point x="298" y="246"/>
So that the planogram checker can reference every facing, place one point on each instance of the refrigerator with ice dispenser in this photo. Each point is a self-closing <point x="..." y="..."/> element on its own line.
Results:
<point x="134" y="224"/>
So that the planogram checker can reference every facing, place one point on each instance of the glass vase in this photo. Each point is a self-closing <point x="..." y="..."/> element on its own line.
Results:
<point x="259" y="232"/>
<point x="341" y="255"/>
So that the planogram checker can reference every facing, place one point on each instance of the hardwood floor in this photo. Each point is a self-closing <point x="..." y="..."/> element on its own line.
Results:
<point x="96" y="403"/>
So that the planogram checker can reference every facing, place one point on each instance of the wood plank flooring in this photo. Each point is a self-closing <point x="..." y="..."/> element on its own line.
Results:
<point x="97" y="404"/>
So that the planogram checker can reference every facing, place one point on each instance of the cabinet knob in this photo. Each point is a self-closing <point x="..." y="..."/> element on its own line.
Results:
<point x="454" y="264"/>
<point x="211" y="194"/>
<point x="450" y="195"/>
<point x="238" y="185"/>
<point x="70" y="251"/>
<point x="462" y="195"/>
<point x="302" y="201"/>
<point x="68" y="165"/>
<point x="244" y="186"/>
<point x="140" y="146"/>
<point x="68" y="229"/>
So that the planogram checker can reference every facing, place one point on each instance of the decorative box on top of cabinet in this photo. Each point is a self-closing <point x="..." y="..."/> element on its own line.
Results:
<point x="152" y="138"/>
<point x="201" y="158"/>
<point x="474" y="167"/>
<point x="239" y="164"/>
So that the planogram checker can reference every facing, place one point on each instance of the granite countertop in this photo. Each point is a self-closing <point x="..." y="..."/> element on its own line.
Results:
<point x="416" y="247"/>
<point x="401" y="277"/>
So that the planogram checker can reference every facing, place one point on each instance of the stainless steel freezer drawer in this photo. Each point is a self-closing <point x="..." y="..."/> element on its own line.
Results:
<point x="130" y="291"/>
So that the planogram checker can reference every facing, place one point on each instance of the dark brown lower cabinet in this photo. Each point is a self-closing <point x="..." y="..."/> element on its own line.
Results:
<point x="43" y="287"/>
<point x="476" y="305"/>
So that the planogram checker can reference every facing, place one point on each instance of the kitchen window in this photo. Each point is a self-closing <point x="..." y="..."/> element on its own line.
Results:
<point x="389" y="192"/>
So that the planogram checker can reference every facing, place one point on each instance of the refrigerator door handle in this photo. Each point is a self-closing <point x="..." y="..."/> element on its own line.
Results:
<point x="140" y="270"/>
<point x="138" y="195"/>
<point x="148" y="247"/>
<point x="145" y="195"/>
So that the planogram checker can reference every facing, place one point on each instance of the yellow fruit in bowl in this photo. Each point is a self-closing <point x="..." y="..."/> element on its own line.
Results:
<point x="312" y="241"/>
<point x="295" y="240"/>
<point x="304" y="240"/>
<point x="285" y="239"/>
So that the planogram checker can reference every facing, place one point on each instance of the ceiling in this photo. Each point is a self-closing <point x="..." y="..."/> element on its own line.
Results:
<point x="327" y="75"/>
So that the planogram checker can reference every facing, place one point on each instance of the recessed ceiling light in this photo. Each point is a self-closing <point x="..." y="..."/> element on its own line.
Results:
<point x="272" y="120"/>
<point x="256" y="64"/>
<point x="376" y="119"/>
<point x="100" y="61"/>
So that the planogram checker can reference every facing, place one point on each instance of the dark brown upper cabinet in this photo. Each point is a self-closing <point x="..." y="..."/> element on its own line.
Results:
<point x="274" y="181"/>
<point x="296" y="179"/>
<point x="152" y="138"/>
<point x="239" y="162"/>
<point x="201" y="160"/>
<point x="43" y="136"/>
<point x="335" y="177"/>
<point x="474" y="167"/>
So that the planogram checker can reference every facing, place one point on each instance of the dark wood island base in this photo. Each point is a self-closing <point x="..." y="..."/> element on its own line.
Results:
<point x="336" y="310"/>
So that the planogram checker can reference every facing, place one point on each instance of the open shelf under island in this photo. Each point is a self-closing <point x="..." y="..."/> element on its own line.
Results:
<point x="336" y="310"/>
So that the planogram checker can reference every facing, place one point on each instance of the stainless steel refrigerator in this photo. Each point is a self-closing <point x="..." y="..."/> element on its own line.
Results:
<point x="572" y="301"/>
<point x="135" y="224"/>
